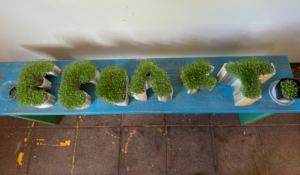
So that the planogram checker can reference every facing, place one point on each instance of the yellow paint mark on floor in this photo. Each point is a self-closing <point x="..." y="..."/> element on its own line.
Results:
<point x="66" y="143"/>
<point x="32" y="124"/>
<point x="126" y="148"/>
<point x="41" y="140"/>
<point x="57" y="140"/>
<point x="80" y="118"/>
<point x="74" y="149"/>
<point x="25" y="139"/>
<point x="227" y="156"/>
<point x="20" y="158"/>
<point x="158" y="127"/>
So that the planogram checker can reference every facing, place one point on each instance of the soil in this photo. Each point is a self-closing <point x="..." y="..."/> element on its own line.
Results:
<point x="148" y="74"/>
<point x="12" y="93"/>
<point x="41" y="81"/>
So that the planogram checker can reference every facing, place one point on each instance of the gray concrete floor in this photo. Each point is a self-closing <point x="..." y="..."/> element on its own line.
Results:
<point x="196" y="144"/>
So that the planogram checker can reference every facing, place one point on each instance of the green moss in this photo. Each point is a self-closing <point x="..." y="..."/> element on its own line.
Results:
<point x="248" y="71"/>
<point x="68" y="96"/>
<point x="111" y="86"/>
<point x="149" y="71"/>
<point x="28" y="76"/>
<point x="289" y="89"/>
<point x="194" y="75"/>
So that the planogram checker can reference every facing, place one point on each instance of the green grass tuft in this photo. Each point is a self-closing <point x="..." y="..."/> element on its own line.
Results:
<point x="111" y="86"/>
<point x="289" y="89"/>
<point x="28" y="76"/>
<point x="68" y="96"/>
<point x="194" y="75"/>
<point x="248" y="71"/>
<point x="149" y="71"/>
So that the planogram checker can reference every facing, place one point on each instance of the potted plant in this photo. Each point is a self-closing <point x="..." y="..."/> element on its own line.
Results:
<point x="8" y="90"/>
<point x="195" y="75"/>
<point x="246" y="77"/>
<point x="150" y="75"/>
<point x="69" y="94"/>
<point x="287" y="88"/>
<point x="112" y="86"/>
<point x="31" y="85"/>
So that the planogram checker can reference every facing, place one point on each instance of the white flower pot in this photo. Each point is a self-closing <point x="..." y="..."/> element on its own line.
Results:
<point x="51" y="99"/>
<point x="96" y="78"/>
<point x="87" y="103"/>
<point x="142" y="96"/>
<point x="56" y="72"/>
<point x="46" y="84"/>
<point x="192" y="91"/>
<point x="126" y="101"/>
<point x="166" y="98"/>
<point x="148" y="85"/>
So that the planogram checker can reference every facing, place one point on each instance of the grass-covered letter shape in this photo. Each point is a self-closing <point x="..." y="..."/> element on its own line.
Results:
<point x="29" y="77"/>
<point x="68" y="96"/>
<point x="148" y="71"/>
<point x="111" y="86"/>
<point x="248" y="71"/>
<point x="196" y="75"/>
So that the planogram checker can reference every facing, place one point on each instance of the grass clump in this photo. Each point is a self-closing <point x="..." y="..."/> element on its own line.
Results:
<point x="289" y="89"/>
<point x="149" y="71"/>
<point x="29" y="76"/>
<point x="248" y="71"/>
<point x="68" y="96"/>
<point x="194" y="75"/>
<point x="111" y="86"/>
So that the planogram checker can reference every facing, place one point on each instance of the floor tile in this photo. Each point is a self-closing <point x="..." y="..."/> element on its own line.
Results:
<point x="9" y="121"/>
<point x="190" y="151"/>
<point x="143" y="119"/>
<point x="100" y="120"/>
<point x="187" y="119"/>
<point x="97" y="151"/>
<point x="64" y="121"/>
<point x="285" y="118"/>
<point x="143" y="151"/>
<point x="15" y="146"/>
<point x="226" y="120"/>
<point x="52" y="151"/>
<point x="296" y="69"/>
<point x="239" y="151"/>
<point x="281" y="146"/>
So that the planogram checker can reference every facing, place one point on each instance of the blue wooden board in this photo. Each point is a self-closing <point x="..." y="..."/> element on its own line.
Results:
<point x="219" y="100"/>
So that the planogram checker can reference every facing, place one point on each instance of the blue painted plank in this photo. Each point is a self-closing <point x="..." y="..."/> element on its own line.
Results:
<point x="220" y="100"/>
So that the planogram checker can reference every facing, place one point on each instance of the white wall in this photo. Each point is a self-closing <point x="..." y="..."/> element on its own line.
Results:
<point x="99" y="29"/>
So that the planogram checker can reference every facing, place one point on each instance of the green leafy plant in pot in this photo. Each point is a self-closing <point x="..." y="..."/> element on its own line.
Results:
<point x="150" y="75"/>
<point x="196" y="75"/>
<point x="112" y="86"/>
<point x="31" y="85"/>
<point x="288" y="88"/>
<point x="249" y="71"/>
<point x="246" y="76"/>
<point x="69" y="94"/>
